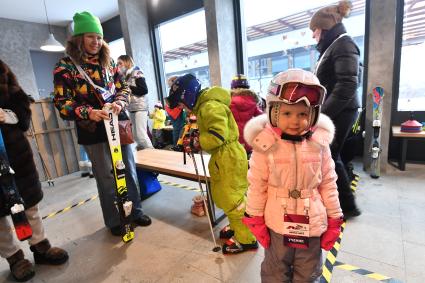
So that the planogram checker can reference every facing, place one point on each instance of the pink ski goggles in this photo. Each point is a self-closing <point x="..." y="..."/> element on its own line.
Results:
<point x="295" y="92"/>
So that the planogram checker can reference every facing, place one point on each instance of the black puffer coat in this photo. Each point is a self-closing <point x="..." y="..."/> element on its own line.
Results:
<point x="338" y="71"/>
<point x="17" y="146"/>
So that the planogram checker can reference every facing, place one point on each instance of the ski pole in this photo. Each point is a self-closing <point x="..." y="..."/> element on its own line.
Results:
<point x="216" y="247"/>
<point x="206" y="179"/>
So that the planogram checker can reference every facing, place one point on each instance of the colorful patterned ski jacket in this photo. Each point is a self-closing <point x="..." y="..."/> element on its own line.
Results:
<point x="278" y="166"/>
<point x="74" y="97"/>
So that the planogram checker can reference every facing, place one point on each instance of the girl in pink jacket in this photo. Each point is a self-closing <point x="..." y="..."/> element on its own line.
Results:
<point x="292" y="207"/>
<point x="244" y="106"/>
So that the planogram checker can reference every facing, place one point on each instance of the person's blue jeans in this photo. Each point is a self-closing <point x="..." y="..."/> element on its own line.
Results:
<point x="100" y="157"/>
<point x="83" y="154"/>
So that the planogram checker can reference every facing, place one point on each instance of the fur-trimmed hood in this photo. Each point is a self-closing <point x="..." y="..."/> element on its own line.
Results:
<point x="323" y="132"/>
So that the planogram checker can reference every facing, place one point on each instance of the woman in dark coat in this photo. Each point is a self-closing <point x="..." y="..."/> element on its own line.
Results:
<point x="337" y="70"/>
<point x="20" y="156"/>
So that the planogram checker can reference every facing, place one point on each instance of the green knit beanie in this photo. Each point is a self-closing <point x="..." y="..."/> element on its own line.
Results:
<point x="85" y="22"/>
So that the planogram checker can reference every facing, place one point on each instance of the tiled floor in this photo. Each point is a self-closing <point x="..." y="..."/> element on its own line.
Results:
<point x="388" y="238"/>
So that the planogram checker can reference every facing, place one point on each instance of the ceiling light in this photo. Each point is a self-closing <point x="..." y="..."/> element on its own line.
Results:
<point x="51" y="44"/>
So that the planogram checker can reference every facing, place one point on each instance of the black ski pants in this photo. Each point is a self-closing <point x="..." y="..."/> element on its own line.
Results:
<point x="343" y="124"/>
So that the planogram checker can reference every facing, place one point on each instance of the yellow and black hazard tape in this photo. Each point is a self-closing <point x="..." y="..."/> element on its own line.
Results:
<point x="180" y="186"/>
<point x="366" y="273"/>
<point x="69" y="207"/>
<point x="50" y="215"/>
<point x="354" y="183"/>
<point x="331" y="258"/>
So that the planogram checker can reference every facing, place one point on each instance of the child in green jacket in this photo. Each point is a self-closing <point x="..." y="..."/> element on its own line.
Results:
<point x="228" y="166"/>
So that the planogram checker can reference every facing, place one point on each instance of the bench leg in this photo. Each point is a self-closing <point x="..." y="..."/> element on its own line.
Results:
<point x="402" y="160"/>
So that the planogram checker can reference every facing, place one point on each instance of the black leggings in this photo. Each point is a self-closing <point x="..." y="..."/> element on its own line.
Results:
<point x="343" y="124"/>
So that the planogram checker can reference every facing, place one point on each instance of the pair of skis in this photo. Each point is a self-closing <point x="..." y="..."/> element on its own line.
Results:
<point x="124" y="205"/>
<point x="377" y="96"/>
<point x="13" y="201"/>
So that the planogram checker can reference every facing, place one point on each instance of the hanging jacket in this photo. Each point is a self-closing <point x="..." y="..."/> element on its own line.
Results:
<point x="244" y="106"/>
<point x="338" y="71"/>
<point x="74" y="97"/>
<point x="278" y="166"/>
<point x="17" y="146"/>
<point x="138" y="100"/>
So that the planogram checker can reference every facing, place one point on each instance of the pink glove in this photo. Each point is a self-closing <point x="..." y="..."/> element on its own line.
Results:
<point x="330" y="236"/>
<point x="258" y="227"/>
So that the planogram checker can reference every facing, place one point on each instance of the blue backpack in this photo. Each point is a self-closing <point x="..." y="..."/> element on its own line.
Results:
<point x="148" y="183"/>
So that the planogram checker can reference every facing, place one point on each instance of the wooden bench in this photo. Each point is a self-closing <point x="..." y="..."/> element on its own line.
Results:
<point x="405" y="137"/>
<point x="171" y="163"/>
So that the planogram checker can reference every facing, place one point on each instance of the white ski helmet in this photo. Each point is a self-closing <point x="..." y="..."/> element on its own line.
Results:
<point x="291" y="87"/>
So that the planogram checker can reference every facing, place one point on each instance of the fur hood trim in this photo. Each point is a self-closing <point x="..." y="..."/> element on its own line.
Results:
<point x="258" y="132"/>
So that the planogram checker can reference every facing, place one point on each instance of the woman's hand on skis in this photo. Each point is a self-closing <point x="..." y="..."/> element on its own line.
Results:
<point x="115" y="106"/>
<point x="98" y="115"/>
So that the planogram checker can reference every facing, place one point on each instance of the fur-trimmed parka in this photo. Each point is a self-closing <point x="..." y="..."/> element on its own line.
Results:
<point x="17" y="146"/>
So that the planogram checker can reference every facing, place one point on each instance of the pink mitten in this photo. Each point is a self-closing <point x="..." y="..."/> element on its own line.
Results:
<point x="258" y="227"/>
<point x="329" y="238"/>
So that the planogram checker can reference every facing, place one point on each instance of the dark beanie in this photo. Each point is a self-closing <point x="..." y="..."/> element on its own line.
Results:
<point x="326" y="17"/>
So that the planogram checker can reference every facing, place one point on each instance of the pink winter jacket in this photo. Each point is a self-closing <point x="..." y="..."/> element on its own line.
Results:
<point x="278" y="166"/>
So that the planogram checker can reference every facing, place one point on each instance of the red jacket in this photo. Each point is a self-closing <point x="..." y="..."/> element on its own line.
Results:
<point x="244" y="107"/>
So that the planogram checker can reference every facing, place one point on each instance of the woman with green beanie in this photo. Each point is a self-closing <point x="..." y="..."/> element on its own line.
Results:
<point x="77" y="99"/>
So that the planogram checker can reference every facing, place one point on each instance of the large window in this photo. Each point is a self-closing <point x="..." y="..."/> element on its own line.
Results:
<point x="117" y="48"/>
<point x="184" y="47"/>
<point x="278" y="36"/>
<point x="412" y="82"/>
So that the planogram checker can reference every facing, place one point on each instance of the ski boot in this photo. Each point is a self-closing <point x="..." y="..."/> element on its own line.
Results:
<point x="226" y="232"/>
<point x="232" y="246"/>
<point x="198" y="207"/>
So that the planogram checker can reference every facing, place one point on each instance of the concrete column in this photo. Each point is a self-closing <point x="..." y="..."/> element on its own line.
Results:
<point x="219" y="18"/>
<point x="135" y="29"/>
<point x="380" y="73"/>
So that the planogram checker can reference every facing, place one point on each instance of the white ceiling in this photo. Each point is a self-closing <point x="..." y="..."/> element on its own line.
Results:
<point x="60" y="12"/>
